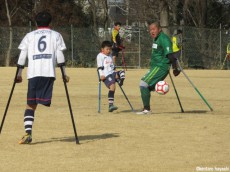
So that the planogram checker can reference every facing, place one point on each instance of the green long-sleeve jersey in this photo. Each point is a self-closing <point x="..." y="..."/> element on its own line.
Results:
<point x="162" y="46"/>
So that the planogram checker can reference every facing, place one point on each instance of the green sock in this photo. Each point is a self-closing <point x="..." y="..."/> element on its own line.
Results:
<point x="145" y="95"/>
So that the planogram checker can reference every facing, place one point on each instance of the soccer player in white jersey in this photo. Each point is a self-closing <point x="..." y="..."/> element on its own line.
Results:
<point x="43" y="48"/>
<point x="107" y="72"/>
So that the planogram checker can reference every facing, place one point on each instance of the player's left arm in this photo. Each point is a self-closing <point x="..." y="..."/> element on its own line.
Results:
<point x="61" y="63"/>
<point x="60" y="56"/>
<point x="167" y="48"/>
<point x="169" y="54"/>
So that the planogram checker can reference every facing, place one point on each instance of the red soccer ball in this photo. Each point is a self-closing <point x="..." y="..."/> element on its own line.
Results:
<point x="162" y="87"/>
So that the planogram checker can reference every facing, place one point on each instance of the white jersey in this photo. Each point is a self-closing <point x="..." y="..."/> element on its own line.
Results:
<point x="107" y="63"/>
<point x="43" y="47"/>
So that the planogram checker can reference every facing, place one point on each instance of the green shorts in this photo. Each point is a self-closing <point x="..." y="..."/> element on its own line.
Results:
<point x="155" y="75"/>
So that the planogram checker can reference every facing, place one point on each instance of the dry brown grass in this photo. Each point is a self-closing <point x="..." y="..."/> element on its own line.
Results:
<point x="166" y="141"/>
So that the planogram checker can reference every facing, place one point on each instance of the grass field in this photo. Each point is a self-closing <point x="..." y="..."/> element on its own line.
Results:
<point x="165" y="141"/>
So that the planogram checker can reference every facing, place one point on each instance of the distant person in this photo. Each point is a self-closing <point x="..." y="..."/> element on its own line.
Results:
<point x="108" y="74"/>
<point x="43" y="47"/>
<point x="177" y="43"/>
<point x="116" y="40"/>
<point x="161" y="60"/>
<point x="228" y="51"/>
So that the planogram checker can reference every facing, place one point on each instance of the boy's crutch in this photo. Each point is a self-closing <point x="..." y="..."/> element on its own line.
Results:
<point x="182" y="110"/>
<point x="99" y="92"/>
<point x="194" y="86"/>
<point x="126" y="98"/>
<point x="8" y="103"/>
<point x="68" y="99"/>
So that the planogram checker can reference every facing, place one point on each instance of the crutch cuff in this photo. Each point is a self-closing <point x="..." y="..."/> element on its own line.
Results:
<point x="20" y="66"/>
<point x="100" y="68"/>
<point x="61" y="64"/>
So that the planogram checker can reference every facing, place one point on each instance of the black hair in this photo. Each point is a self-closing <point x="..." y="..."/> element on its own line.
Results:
<point x="179" y="31"/>
<point x="156" y="23"/>
<point x="43" y="18"/>
<point x="117" y="23"/>
<point x="106" y="44"/>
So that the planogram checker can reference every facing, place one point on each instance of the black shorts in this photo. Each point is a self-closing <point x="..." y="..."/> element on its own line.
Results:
<point x="115" y="51"/>
<point x="40" y="90"/>
<point x="110" y="79"/>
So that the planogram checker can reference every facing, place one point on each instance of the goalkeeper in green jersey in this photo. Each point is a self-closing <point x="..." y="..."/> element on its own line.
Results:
<point x="161" y="59"/>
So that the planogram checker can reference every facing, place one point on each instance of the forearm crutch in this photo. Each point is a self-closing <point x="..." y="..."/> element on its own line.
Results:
<point x="99" y="92"/>
<point x="194" y="86"/>
<point x="9" y="99"/>
<point x="68" y="99"/>
<point x="126" y="98"/>
<point x="182" y="110"/>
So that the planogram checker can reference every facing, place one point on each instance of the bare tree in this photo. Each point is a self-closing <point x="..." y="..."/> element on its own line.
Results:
<point x="162" y="10"/>
<point x="173" y="11"/>
<point x="202" y="12"/>
<point x="195" y="11"/>
<point x="7" y="60"/>
<point x="106" y="13"/>
<point x="93" y="11"/>
<point x="164" y="16"/>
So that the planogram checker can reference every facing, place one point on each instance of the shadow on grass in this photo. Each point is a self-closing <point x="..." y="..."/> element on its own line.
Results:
<point x="185" y="112"/>
<point x="197" y="111"/>
<point x="128" y="111"/>
<point x="87" y="138"/>
<point x="192" y="111"/>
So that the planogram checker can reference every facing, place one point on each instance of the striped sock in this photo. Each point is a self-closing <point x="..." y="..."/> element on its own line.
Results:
<point x="28" y="120"/>
<point x="121" y="74"/>
<point x="111" y="97"/>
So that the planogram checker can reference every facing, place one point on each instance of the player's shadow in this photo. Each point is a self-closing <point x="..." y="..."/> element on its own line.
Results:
<point x="197" y="111"/>
<point x="84" y="139"/>
<point x="191" y="112"/>
<point x="127" y="111"/>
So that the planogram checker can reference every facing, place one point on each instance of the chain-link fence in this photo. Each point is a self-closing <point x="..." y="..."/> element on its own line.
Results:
<point x="202" y="48"/>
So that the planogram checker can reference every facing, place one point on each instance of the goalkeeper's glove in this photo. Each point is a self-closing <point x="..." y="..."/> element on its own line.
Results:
<point x="173" y="61"/>
<point x="176" y="72"/>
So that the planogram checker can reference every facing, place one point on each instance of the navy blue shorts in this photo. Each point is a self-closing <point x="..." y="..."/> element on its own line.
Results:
<point x="40" y="90"/>
<point x="115" y="51"/>
<point x="110" y="79"/>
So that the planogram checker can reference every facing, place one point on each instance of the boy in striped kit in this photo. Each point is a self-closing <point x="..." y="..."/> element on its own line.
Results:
<point x="107" y="72"/>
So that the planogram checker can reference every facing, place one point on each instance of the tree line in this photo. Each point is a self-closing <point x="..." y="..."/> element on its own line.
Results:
<point x="95" y="13"/>
<point x="102" y="13"/>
